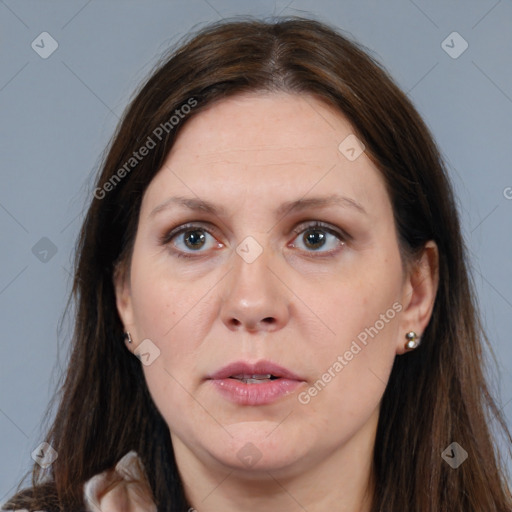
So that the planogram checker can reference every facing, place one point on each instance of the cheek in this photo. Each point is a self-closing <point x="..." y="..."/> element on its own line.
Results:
<point x="167" y="312"/>
<point x="353" y="360"/>
<point x="361" y="301"/>
<point x="351" y="370"/>
<point x="160" y="301"/>
<point x="361" y="343"/>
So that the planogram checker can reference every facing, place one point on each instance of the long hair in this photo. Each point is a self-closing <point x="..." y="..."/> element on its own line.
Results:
<point x="436" y="394"/>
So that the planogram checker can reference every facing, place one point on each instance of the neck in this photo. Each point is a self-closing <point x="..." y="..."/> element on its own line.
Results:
<point x="340" y="479"/>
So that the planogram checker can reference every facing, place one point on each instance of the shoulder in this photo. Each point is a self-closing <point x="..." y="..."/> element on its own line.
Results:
<point x="122" y="488"/>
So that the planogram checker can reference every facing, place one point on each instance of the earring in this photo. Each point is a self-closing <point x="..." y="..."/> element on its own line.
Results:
<point x="412" y="340"/>
<point x="127" y="337"/>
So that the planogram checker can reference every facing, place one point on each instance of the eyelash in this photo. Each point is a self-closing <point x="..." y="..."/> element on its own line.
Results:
<point x="340" y="234"/>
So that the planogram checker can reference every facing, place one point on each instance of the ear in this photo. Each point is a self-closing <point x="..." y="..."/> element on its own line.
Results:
<point x="419" y="293"/>
<point x="124" y="303"/>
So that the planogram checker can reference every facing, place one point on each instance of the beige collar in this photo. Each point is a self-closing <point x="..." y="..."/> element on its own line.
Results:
<point x="123" y="488"/>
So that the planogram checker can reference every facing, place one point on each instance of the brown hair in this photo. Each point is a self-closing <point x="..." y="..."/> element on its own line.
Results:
<point x="436" y="394"/>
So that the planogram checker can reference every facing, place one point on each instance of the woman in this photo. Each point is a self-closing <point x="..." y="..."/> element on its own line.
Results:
<point x="274" y="309"/>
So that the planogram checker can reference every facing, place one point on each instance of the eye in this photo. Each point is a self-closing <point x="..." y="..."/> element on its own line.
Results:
<point x="189" y="239"/>
<point x="319" y="237"/>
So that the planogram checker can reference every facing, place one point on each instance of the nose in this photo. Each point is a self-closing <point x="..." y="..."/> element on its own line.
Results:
<point x="254" y="297"/>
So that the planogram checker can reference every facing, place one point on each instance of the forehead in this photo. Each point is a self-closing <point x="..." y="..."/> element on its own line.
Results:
<point x="265" y="145"/>
<point x="264" y="124"/>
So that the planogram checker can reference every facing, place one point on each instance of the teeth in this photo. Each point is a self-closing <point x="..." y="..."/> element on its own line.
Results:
<point x="254" y="378"/>
<point x="245" y="376"/>
<point x="255" y="381"/>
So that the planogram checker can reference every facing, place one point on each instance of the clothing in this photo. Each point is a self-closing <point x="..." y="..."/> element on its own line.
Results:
<point x="124" y="488"/>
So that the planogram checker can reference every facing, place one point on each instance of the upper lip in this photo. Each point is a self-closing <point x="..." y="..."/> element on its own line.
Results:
<point x="257" y="368"/>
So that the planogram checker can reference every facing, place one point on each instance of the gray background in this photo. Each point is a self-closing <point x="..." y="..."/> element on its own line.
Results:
<point x="57" y="115"/>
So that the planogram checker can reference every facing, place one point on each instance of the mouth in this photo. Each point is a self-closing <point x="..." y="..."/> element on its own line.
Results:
<point x="254" y="379"/>
<point x="259" y="371"/>
<point x="258" y="383"/>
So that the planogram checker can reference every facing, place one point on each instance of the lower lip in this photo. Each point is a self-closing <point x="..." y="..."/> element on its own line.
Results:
<point x="255" y="394"/>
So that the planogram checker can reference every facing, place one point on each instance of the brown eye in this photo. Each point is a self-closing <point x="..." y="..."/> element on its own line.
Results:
<point x="314" y="238"/>
<point x="319" y="237"/>
<point x="194" y="239"/>
<point x="190" y="240"/>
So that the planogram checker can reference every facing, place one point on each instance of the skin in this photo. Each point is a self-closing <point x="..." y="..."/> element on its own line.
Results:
<point x="298" y="305"/>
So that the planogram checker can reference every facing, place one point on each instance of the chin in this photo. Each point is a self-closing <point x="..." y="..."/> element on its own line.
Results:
<point x="259" y="447"/>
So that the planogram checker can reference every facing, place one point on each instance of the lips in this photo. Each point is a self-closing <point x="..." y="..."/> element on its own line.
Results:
<point x="258" y="383"/>
<point x="262" y="369"/>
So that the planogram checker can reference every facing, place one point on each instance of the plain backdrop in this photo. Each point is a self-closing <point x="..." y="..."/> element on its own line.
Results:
<point x="57" y="114"/>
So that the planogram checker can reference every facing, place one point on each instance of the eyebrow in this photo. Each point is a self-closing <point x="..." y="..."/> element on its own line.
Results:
<point x="201" y="205"/>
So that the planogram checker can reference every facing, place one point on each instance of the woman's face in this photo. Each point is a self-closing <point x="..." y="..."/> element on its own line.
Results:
<point x="267" y="239"/>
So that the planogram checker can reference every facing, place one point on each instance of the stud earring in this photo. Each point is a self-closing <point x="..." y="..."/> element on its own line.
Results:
<point x="412" y="340"/>
<point x="127" y="337"/>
